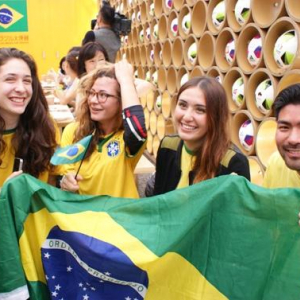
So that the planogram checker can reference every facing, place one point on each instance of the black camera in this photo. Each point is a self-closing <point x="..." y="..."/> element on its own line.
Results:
<point x="122" y="25"/>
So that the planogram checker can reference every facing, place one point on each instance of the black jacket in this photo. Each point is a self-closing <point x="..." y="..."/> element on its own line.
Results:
<point x="168" y="165"/>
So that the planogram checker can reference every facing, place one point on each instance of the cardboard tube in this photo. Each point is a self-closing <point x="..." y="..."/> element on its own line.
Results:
<point x="178" y="4"/>
<point x="155" y="145"/>
<point x="162" y="78"/>
<point x="191" y="2"/>
<point x="143" y="100"/>
<point x="177" y="53"/>
<point x="265" y="140"/>
<point x="256" y="170"/>
<point x="190" y="50"/>
<point x="149" y="142"/>
<point x="289" y="78"/>
<point x="141" y="72"/>
<point x="292" y="8"/>
<point x="158" y="54"/>
<point x="182" y="76"/>
<point x="265" y="12"/>
<point x="164" y="127"/>
<point x="143" y="57"/>
<point x="150" y="55"/>
<point x="232" y="75"/>
<point x="231" y="18"/>
<point x="135" y="34"/>
<point x="153" y="121"/>
<point x="144" y="11"/>
<point x="196" y="72"/>
<point x="137" y="59"/>
<point x="173" y="25"/>
<point x="185" y="12"/>
<point x="154" y="30"/>
<point x="147" y="115"/>
<point x="210" y="25"/>
<point x="167" y="6"/>
<point x="154" y="75"/>
<point x="157" y="104"/>
<point x="255" y="79"/>
<point x="151" y="98"/>
<point x="206" y="50"/>
<point x="158" y="8"/>
<point x="223" y="59"/>
<point x="172" y="79"/>
<point x="166" y="104"/>
<point x="216" y="73"/>
<point x="247" y="34"/>
<point x="162" y="28"/>
<point x="167" y="53"/>
<point x="199" y="14"/>
<point x="276" y="30"/>
<point x="238" y="119"/>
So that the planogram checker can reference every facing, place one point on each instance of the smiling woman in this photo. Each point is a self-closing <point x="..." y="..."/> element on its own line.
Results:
<point x="111" y="112"/>
<point x="202" y="148"/>
<point x="26" y="129"/>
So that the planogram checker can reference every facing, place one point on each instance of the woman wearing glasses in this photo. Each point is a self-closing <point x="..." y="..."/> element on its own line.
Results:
<point x="110" y="111"/>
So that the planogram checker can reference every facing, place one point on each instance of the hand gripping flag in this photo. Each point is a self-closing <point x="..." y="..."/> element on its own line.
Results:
<point x="71" y="154"/>
<point x="220" y="239"/>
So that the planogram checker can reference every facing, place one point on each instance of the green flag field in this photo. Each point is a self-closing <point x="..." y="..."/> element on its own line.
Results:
<point x="223" y="238"/>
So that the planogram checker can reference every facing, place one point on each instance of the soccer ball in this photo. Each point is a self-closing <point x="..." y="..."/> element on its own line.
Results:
<point x="254" y="50"/>
<point x="174" y="26"/>
<point x="148" y="35"/>
<point x="169" y="3"/>
<point x="141" y="35"/>
<point x="230" y="51"/>
<point x="285" y="48"/>
<point x="192" y="53"/>
<point x="186" y="23"/>
<point x="246" y="135"/>
<point x="238" y="91"/>
<point x="152" y="55"/>
<point x="219" y="79"/>
<point x="158" y="102"/>
<point x="264" y="96"/>
<point x="218" y="14"/>
<point x="242" y="11"/>
<point x="154" y="77"/>
<point x="151" y="10"/>
<point x="148" y="77"/>
<point x="155" y="31"/>
<point x="184" y="79"/>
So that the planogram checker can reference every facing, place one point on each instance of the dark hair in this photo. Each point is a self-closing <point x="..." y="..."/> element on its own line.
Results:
<point x="72" y="60"/>
<point x="290" y="95"/>
<point x="34" y="139"/>
<point x="87" y="52"/>
<point x="107" y="13"/>
<point x="86" y="124"/>
<point x="217" y="139"/>
<point x="62" y="71"/>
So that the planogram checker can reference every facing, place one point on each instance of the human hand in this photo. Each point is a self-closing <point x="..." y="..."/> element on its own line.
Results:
<point x="14" y="174"/>
<point x="70" y="183"/>
<point x="143" y="86"/>
<point x="124" y="71"/>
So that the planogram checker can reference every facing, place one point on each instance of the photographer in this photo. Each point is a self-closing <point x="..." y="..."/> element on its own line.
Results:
<point x="103" y="31"/>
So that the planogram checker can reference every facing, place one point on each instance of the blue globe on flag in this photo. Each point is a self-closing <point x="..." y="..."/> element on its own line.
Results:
<point x="6" y="16"/>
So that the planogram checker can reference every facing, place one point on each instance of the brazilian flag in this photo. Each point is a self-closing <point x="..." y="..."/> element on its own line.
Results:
<point x="13" y="16"/>
<point x="224" y="238"/>
<point x="72" y="153"/>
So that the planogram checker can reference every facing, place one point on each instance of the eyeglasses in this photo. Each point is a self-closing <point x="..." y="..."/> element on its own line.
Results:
<point x="101" y="96"/>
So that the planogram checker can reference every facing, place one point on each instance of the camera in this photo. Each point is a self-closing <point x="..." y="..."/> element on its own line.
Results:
<point x="122" y="25"/>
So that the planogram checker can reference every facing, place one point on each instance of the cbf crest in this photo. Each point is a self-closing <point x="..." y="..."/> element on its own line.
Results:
<point x="113" y="148"/>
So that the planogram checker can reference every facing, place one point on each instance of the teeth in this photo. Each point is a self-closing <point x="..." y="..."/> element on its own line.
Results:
<point x="184" y="126"/>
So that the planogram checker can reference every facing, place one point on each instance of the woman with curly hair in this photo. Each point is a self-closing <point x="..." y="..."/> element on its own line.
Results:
<point x="110" y="110"/>
<point x="202" y="149"/>
<point x="26" y="128"/>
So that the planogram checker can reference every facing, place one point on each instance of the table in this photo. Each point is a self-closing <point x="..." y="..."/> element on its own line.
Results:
<point x="61" y="114"/>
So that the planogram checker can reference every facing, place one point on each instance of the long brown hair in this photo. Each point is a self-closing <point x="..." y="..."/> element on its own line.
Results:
<point x="86" y="124"/>
<point x="217" y="139"/>
<point x="34" y="139"/>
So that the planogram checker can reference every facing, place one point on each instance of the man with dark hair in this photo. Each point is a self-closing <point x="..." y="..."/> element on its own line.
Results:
<point x="283" y="168"/>
<point x="104" y="33"/>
